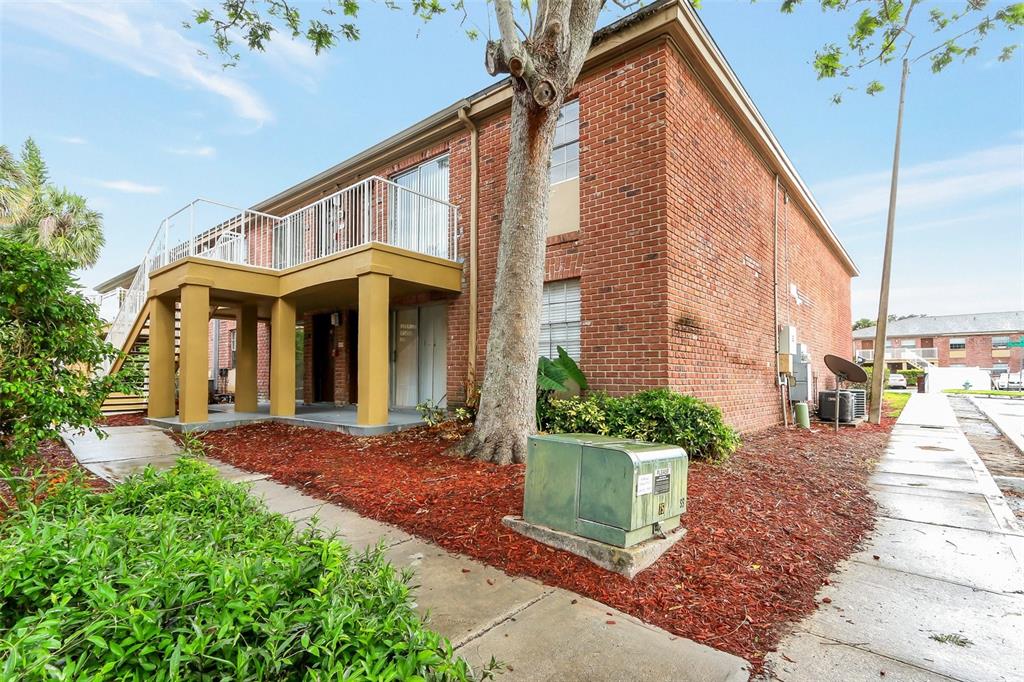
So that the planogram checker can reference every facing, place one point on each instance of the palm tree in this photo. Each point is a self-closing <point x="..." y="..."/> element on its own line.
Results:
<point x="35" y="212"/>
<point x="66" y="227"/>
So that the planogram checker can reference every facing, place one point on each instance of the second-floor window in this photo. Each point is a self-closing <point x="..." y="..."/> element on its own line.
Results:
<point x="565" y="154"/>
<point x="416" y="222"/>
<point x="909" y="343"/>
<point x="1000" y="342"/>
<point x="957" y="344"/>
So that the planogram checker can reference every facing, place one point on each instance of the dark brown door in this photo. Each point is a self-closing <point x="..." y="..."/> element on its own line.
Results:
<point x="323" y="359"/>
<point x="352" y="343"/>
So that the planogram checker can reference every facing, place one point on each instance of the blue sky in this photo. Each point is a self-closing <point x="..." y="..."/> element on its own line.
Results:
<point x="129" y="114"/>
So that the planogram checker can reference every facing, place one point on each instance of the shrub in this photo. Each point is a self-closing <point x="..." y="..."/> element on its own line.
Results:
<point x="657" y="416"/>
<point x="50" y="338"/>
<point x="912" y="375"/>
<point x="179" y="575"/>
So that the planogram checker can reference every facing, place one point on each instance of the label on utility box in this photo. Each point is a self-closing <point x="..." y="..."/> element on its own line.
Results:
<point x="644" y="484"/>
<point x="662" y="480"/>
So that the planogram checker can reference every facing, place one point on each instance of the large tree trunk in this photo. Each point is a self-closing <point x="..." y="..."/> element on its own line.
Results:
<point x="506" y="415"/>
<point x="544" y="69"/>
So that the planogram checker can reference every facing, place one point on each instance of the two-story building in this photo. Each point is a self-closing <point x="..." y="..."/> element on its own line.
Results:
<point x="983" y="340"/>
<point x="680" y="238"/>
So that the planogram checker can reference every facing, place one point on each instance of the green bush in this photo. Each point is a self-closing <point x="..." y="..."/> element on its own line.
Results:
<point x="911" y="375"/>
<point x="179" y="575"/>
<point x="657" y="416"/>
<point x="50" y="339"/>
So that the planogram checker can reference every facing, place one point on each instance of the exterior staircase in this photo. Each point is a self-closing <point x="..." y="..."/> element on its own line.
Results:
<point x="138" y="355"/>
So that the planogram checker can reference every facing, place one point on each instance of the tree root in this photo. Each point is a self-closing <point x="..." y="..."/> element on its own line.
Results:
<point x="499" y="447"/>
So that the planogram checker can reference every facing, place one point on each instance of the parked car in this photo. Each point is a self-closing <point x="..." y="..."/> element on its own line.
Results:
<point x="897" y="381"/>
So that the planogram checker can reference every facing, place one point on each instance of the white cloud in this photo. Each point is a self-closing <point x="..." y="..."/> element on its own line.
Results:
<point x="72" y="139"/>
<point x="932" y="186"/>
<point x="205" y="151"/>
<point x="131" y="36"/>
<point x="129" y="187"/>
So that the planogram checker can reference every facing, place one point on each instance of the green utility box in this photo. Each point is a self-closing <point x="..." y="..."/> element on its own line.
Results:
<point x="612" y="490"/>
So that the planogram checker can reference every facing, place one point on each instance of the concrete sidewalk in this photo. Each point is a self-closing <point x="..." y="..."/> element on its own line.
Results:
<point x="539" y="632"/>
<point x="945" y="562"/>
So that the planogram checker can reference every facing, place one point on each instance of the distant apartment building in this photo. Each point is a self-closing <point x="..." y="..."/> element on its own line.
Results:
<point x="984" y="340"/>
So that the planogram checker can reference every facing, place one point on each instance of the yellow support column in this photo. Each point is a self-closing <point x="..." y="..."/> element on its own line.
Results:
<point x="193" y="390"/>
<point x="372" y="408"/>
<point x="282" y="358"/>
<point x="161" y="359"/>
<point x="245" y="359"/>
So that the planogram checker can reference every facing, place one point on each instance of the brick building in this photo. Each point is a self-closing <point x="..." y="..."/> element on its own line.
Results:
<point x="980" y="340"/>
<point x="680" y="238"/>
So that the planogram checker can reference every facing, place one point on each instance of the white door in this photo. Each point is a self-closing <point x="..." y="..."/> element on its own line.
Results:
<point x="433" y="354"/>
<point x="405" y="352"/>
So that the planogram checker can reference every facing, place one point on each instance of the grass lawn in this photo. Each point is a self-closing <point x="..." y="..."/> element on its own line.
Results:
<point x="1007" y="394"/>
<point x="896" y="401"/>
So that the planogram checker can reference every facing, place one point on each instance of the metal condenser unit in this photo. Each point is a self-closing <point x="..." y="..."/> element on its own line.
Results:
<point x="612" y="490"/>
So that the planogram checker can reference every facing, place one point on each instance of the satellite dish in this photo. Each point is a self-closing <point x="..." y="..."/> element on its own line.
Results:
<point x="844" y="371"/>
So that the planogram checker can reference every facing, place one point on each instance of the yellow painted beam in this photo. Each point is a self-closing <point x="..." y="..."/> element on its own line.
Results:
<point x="245" y="359"/>
<point x="193" y="392"/>
<point x="161" y="358"/>
<point x="372" y="408"/>
<point x="282" y="358"/>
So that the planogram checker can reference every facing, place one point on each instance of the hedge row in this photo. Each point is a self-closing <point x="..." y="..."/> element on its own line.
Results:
<point x="657" y="416"/>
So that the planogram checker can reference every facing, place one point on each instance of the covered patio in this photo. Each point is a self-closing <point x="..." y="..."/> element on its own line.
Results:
<point x="365" y="279"/>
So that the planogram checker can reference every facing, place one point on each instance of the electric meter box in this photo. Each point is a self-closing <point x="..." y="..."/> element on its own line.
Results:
<point x="613" y="490"/>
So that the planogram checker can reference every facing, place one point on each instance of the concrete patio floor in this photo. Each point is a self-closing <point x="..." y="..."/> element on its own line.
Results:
<point x="946" y="558"/>
<point x="538" y="632"/>
<point x="317" y="416"/>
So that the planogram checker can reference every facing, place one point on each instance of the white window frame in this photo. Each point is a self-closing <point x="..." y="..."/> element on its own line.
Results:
<point x="565" y="152"/>
<point x="1000" y="342"/>
<point x="958" y="343"/>
<point x="561" y="318"/>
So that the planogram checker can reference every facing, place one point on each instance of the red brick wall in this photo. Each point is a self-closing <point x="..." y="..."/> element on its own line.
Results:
<point x="979" y="352"/>
<point x="721" y="259"/>
<point x="224" y="354"/>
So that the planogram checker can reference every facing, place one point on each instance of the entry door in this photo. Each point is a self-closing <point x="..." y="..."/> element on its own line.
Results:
<point x="433" y="354"/>
<point x="323" y="359"/>
<point x="405" y="352"/>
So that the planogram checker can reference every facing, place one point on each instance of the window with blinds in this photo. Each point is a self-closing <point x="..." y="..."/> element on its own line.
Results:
<point x="560" y="318"/>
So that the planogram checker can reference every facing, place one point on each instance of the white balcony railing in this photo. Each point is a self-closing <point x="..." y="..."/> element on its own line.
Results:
<point x="375" y="210"/>
<point x="905" y="354"/>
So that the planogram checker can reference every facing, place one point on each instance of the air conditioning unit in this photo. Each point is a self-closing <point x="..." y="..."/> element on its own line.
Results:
<point x="827" y="406"/>
<point x="860" y="402"/>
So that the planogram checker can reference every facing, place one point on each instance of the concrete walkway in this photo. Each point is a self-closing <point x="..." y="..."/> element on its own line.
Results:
<point x="938" y="591"/>
<point x="539" y="632"/>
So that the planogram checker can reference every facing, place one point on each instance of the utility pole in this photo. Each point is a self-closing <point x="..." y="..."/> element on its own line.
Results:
<point x="878" y="368"/>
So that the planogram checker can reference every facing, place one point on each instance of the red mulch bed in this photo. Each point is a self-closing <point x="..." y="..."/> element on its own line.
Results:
<point x="54" y="460"/>
<point x="124" y="419"/>
<point x="764" y="530"/>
